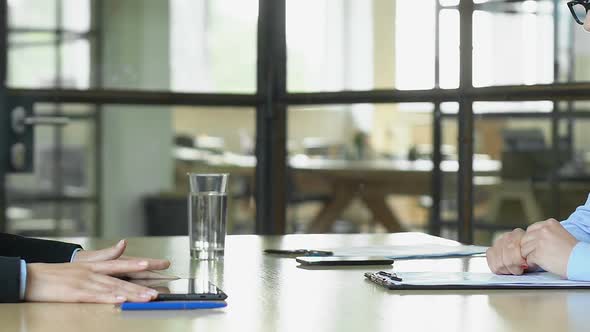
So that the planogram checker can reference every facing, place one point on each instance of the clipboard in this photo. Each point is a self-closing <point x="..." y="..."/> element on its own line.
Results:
<point x="535" y="281"/>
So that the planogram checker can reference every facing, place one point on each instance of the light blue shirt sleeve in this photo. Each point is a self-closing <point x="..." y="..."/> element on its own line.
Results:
<point x="23" y="274"/>
<point x="578" y="225"/>
<point x="23" y="278"/>
<point x="74" y="254"/>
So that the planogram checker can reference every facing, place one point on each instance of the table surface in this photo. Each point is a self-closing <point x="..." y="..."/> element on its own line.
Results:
<point x="267" y="293"/>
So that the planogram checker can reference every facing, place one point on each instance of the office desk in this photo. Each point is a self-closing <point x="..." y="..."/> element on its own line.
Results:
<point x="373" y="181"/>
<point x="344" y="180"/>
<point x="272" y="294"/>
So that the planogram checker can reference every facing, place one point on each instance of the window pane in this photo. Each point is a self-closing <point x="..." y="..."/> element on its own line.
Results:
<point x="378" y="153"/>
<point x="512" y="107"/>
<point x="449" y="2"/>
<point x="449" y="207"/>
<point x="31" y="39"/>
<point x="75" y="110"/>
<point x="575" y="106"/>
<point x="501" y="107"/>
<point x="76" y="15"/>
<point x="15" y="183"/>
<point x="38" y="218"/>
<point x="574" y="51"/>
<point x="58" y="198"/>
<point x="76" y="153"/>
<point x="232" y="26"/>
<point x="32" y="14"/>
<point x="574" y="178"/>
<point x="414" y="45"/>
<point x="449" y="48"/>
<point x="188" y="46"/>
<point x="521" y="194"/>
<point x="359" y="45"/>
<point x="75" y="64"/>
<point x="217" y="140"/>
<point x="32" y="61"/>
<point x="513" y="43"/>
<point x="32" y="67"/>
<point x="143" y="167"/>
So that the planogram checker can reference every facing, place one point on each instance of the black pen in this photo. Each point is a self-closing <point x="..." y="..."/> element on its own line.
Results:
<point x="299" y="252"/>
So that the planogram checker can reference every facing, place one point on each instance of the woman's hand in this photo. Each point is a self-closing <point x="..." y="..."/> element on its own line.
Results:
<point x="548" y="245"/>
<point x="116" y="253"/>
<point x="505" y="257"/>
<point x="93" y="282"/>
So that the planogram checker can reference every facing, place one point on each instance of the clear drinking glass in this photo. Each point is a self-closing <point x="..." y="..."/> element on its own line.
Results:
<point x="207" y="214"/>
<point x="205" y="275"/>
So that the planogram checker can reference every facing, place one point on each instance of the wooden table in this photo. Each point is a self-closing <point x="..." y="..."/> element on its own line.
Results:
<point x="344" y="180"/>
<point x="373" y="181"/>
<point x="273" y="294"/>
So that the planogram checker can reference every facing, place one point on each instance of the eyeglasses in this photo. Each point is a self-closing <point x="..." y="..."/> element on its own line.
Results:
<point x="579" y="9"/>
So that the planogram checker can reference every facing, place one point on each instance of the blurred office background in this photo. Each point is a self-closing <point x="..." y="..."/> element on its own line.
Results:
<point x="119" y="169"/>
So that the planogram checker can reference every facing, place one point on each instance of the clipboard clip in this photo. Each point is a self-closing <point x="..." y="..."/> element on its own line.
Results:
<point x="383" y="278"/>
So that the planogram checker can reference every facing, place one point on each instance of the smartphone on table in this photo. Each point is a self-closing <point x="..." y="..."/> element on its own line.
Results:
<point x="184" y="289"/>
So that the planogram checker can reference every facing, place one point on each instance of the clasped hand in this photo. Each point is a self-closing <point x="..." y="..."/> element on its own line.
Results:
<point x="544" y="245"/>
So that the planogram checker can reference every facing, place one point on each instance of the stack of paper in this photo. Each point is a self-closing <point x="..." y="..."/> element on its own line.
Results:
<point x="412" y="251"/>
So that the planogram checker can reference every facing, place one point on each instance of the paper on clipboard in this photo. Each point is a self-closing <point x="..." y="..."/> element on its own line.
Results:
<point x="412" y="251"/>
<point x="536" y="279"/>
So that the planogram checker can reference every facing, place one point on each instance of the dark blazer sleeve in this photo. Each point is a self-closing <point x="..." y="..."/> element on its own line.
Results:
<point x="13" y="248"/>
<point x="36" y="250"/>
<point x="9" y="279"/>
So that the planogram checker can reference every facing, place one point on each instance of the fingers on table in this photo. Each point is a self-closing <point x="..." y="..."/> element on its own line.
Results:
<point x="105" y="254"/>
<point x="542" y="224"/>
<point x="153" y="264"/>
<point x="494" y="258"/>
<point x="512" y="257"/>
<point x="111" y="253"/>
<point x="528" y="246"/>
<point x="115" y="267"/>
<point x="505" y="256"/>
<point x="124" y="290"/>
<point x="97" y="297"/>
<point x="158" y="277"/>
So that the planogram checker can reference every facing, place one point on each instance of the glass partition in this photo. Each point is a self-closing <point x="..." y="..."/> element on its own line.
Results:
<point x="172" y="45"/>
<point x="359" y="168"/>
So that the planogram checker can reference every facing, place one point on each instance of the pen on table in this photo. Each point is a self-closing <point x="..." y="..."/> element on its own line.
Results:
<point x="172" y="305"/>
<point x="299" y="252"/>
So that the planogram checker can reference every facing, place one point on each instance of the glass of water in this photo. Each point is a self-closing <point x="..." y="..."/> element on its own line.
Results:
<point x="207" y="215"/>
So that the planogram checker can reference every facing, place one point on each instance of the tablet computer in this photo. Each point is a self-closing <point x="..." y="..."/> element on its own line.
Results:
<point x="185" y="289"/>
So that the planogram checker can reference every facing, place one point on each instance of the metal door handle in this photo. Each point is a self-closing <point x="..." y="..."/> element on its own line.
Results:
<point x="47" y="121"/>
<point x="20" y="120"/>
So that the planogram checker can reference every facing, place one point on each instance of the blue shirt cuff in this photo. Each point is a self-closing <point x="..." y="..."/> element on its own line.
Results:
<point x="23" y="278"/>
<point x="578" y="265"/>
<point x="74" y="254"/>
